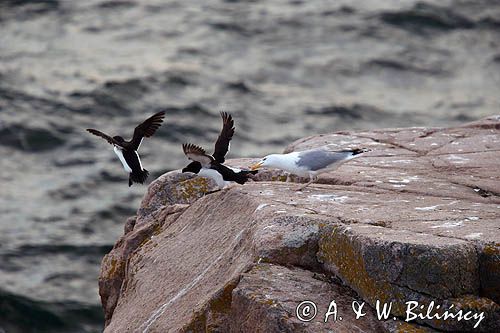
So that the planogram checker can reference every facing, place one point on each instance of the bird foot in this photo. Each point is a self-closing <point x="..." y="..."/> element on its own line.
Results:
<point x="301" y="187"/>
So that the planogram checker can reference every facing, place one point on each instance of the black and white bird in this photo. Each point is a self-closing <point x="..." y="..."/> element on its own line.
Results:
<point x="309" y="163"/>
<point x="217" y="171"/>
<point x="211" y="168"/>
<point x="127" y="150"/>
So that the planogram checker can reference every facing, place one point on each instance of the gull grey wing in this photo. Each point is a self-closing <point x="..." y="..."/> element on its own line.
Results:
<point x="318" y="159"/>
<point x="226" y="134"/>
<point x="147" y="128"/>
<point x="196" y="153"/>
<point x="104" y="136"/>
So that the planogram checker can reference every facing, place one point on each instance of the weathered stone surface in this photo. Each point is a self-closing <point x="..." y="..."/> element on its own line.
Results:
<point x="417" y="218"/>
<point x="186" y="266"/>
<point x="490" y="271"/>
<point x="397" y="326"/>
<point x="166" y="197"/>
<point x="397" y="266"/>
<point x="420" y="262"/>
<point x="266" y="300"/>
<point x="288" y="240"/>
<point x="114" y="264"/>
<point x="129" y="224"/>
<point x="173" y="188"/>
<point x="203" y="253"/>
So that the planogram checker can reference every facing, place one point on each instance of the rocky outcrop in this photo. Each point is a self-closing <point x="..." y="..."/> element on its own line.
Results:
<point x="416" y="219"/>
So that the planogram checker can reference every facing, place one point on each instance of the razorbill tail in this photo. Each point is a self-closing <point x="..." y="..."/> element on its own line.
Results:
<point x="309" y="163"/>
<point x="220" y="151"/>
<point x="211" y="168"/>
<point x="127" y="150"/>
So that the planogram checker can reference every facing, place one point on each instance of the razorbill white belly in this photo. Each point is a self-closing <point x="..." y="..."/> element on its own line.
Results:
<point x="127" y="150"/>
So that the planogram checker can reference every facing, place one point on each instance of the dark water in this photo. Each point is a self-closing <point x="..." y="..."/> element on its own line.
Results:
<point x="284" y="69"/>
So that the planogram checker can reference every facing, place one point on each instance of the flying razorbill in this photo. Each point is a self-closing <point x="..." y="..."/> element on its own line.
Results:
<point x="220" y="151"/>
<point x="211" y="168"/>
<point x="127" y="150"/>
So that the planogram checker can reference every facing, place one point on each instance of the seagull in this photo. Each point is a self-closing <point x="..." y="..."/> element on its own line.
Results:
<point x="213" y="169"/>
<point x="220" y="151"/>
<point x="127" y="150"/>
<point x="309" y="163"/>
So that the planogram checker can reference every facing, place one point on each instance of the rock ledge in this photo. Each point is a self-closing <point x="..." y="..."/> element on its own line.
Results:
<point x="416" y="219"/>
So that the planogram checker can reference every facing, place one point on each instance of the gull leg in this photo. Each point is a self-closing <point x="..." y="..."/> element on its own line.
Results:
<point x="288" y="178"/>
<point x="312" y="179"/>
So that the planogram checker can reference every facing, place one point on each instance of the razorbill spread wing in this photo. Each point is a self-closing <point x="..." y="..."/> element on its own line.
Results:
<point x="127" y="150"/>
<point x="221" y="145"/>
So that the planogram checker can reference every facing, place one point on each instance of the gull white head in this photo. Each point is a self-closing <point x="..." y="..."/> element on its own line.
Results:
<point x="270" y="161"/>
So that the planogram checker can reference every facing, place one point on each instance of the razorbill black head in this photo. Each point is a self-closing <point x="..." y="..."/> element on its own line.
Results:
<point x="193" y="167"/>
<point x="118" y="138"/>
<point x="127" y="150"/>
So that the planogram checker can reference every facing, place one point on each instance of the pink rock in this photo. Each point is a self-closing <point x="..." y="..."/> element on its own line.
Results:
<point x="418" y="217"/>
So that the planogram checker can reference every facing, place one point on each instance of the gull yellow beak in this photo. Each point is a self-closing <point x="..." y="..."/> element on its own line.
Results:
<point x="255" y="166"/>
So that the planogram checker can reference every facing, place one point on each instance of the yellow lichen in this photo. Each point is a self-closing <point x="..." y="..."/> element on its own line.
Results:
<point x="115" y="269"/>
<point x="187" y="190"/>
<point x="268" y="302"/>
<point x="339" y="249"/>
<point x="492" y="249"/>
<point x="193" y="187"/>
<point x="343" y="251"/>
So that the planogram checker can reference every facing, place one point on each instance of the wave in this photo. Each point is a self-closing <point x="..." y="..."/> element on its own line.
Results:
<point x="28" y="250"/>
<point x="407" y="66"/>
<point x="363" y="116"/>
<point x="116" y="4"/>
<point x="424" y="17"/>
<point x="21" y="314"/>
<point x="31" y="139"/>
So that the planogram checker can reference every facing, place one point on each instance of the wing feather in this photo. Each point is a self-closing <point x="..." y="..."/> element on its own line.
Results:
<point x="196" y="153"/>
<point x="225" y="136"/>
<point x="102" y="135"/>
<point x="147" y="128"/>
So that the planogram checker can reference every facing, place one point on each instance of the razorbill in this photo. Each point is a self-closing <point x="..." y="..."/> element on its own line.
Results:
<point x="220" y="151"/>
<point x="127" y="150"/>
<point x="211" y="168"/>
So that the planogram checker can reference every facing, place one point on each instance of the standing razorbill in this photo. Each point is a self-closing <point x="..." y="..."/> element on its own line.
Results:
<point x="127" y="150"/>
<point x="211" y="168"/>
<point x="221" y="149"/>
